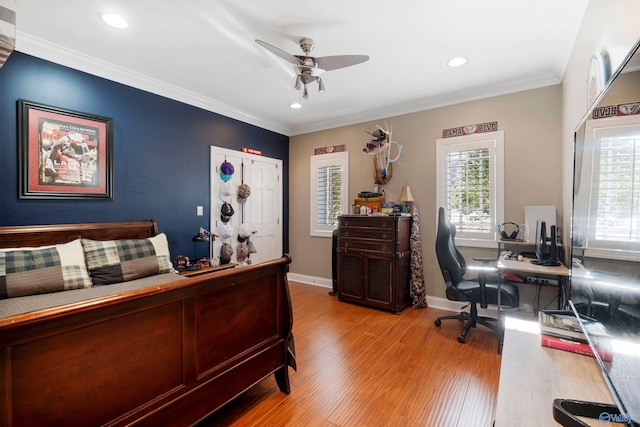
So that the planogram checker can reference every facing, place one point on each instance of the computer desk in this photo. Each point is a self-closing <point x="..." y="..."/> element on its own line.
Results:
<point x="559" y="272"/>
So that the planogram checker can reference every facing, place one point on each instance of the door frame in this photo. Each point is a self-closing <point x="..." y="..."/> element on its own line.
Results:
<point x="217" y="155"/>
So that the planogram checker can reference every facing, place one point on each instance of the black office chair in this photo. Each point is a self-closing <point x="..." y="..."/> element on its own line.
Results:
<point x="453" y="267"/>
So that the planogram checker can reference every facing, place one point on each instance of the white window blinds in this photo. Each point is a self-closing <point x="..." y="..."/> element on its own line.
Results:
<point x="329" y="186"/>
<point x="469" y="190"/>
<point x="329" y="197"/>
<point x="470" y="185"/>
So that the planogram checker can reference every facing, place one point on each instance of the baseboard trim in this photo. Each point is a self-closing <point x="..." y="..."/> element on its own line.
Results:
<point x="310" y="280"/>
<point x="432" y="301"/>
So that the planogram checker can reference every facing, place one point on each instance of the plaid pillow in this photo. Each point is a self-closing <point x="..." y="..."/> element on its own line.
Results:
<point x="115" y="261"/>
<point x="30" y="271"/>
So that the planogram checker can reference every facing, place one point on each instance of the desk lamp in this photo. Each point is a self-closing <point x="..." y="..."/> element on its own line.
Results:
<point x="407" y="197"/>
<point x="205" y="236"/>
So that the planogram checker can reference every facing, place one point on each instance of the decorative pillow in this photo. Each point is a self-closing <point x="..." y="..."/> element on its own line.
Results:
<point x="29" y="271"/>
<point x="115" y="261"/>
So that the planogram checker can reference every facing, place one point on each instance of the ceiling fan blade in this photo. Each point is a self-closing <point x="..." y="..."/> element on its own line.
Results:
<point x="279" y="52"/>
<point x="328" y="63"/>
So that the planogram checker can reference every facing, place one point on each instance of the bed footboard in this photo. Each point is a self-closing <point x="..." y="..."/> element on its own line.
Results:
<point x="164" y="355"/>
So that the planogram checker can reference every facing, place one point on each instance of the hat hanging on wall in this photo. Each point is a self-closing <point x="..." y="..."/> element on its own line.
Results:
<point x="243" y="230"/>
<point x="226" y="171"/>
<point x="244" y="191"/>
<point x="226" y="231"/>
<point x="227" y="168"/>
<point x="226" y="192"/>
<point x="225" y="253"/>
<point x="227" y="209"/>
<point x="242" y="252"/>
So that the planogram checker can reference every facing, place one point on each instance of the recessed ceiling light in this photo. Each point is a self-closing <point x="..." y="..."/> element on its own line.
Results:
<point x="458" y="61"/>
<point x="296" y="105"/>
<point x="116" y="21"/>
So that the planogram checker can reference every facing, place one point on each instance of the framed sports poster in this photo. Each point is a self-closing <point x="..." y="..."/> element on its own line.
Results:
<point x="64" y="154"/>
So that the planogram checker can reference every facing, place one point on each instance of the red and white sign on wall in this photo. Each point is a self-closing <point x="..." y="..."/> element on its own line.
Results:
<point x="330" y="149"/>
<point x="470" y="129"/>
<point x="252" y="151"/>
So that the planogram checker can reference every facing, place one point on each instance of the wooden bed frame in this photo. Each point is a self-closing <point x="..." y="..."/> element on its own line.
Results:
<point x="163" y="355"/>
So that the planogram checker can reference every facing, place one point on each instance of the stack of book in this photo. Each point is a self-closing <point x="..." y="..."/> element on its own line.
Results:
<point x="561" y="330"/>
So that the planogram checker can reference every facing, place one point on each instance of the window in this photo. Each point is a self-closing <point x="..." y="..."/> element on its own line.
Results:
<point x="329" y="191"/>
<point x="612" y="163"/>
<point x="470" y="185"/>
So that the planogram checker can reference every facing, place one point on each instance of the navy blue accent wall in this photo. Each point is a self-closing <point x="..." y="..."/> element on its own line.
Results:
<point x="161" y="152"/>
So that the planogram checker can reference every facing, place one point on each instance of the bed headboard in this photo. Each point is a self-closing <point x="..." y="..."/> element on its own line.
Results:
<point x="41" y="235"/>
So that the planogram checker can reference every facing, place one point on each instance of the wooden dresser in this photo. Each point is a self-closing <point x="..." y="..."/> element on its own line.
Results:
<point x="374" y="261"/>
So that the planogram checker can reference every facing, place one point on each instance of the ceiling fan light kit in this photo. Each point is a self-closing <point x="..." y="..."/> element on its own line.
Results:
<point x="309" y="68"/>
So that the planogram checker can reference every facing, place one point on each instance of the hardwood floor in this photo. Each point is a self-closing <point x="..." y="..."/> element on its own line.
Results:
<point x="358" y="366"/>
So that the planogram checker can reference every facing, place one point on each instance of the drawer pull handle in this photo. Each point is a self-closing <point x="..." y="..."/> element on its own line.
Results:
<point x="346" y="245"/>
<point x="346" y="234"/>
<point x="346" y="223"/>
<point x="384" y="248"/>
<point x="384" y="224"/>
<point x="384" y="236"/>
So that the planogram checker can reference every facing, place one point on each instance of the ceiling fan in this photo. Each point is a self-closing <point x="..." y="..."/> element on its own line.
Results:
<point x="309" y="68"/>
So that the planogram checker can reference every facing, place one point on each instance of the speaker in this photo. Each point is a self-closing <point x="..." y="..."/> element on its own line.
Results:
<point x="505" y="234"/>
<point x="553" y="248"/>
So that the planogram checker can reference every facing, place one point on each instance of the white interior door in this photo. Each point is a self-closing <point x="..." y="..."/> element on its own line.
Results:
<point x="262" y="211"/>
<point x="266" y="209"/>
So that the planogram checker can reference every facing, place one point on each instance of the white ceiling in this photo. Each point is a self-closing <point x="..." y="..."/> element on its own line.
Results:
<point x="202" y="52"/>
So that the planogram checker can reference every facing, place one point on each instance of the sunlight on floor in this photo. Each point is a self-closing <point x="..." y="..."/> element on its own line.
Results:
<point x="529" y="326"/>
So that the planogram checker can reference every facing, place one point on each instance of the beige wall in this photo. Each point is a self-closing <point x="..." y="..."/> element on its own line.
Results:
<point x="531" y="121"/>
<point x="538" y="126"/>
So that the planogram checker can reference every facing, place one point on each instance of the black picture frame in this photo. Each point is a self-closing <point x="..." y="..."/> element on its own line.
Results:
<point x="63" y="154"/>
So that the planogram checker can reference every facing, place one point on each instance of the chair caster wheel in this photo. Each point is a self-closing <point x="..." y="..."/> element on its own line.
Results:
<point x="437" y="322"/>
<point x="461" y="339"/>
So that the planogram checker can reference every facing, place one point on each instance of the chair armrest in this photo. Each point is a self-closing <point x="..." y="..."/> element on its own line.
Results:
<point x="482" y="280"/>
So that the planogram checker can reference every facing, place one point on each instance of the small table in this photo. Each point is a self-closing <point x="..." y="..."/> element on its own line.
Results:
<point x="203" y="270"/>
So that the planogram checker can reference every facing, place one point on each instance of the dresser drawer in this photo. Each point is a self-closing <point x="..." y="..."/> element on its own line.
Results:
<point x="381" y="222"/>
<point x="367" y="233"/>
<point x="367" y="245"/>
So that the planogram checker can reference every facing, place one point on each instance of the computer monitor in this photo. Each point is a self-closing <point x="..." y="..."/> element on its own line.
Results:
<point x="542" y="258"/>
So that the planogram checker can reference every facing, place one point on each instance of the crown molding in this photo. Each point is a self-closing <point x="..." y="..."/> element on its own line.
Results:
<point x="528" y="82"/>
<point x="54" y="53"/>
<point x="40" y="48"/>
